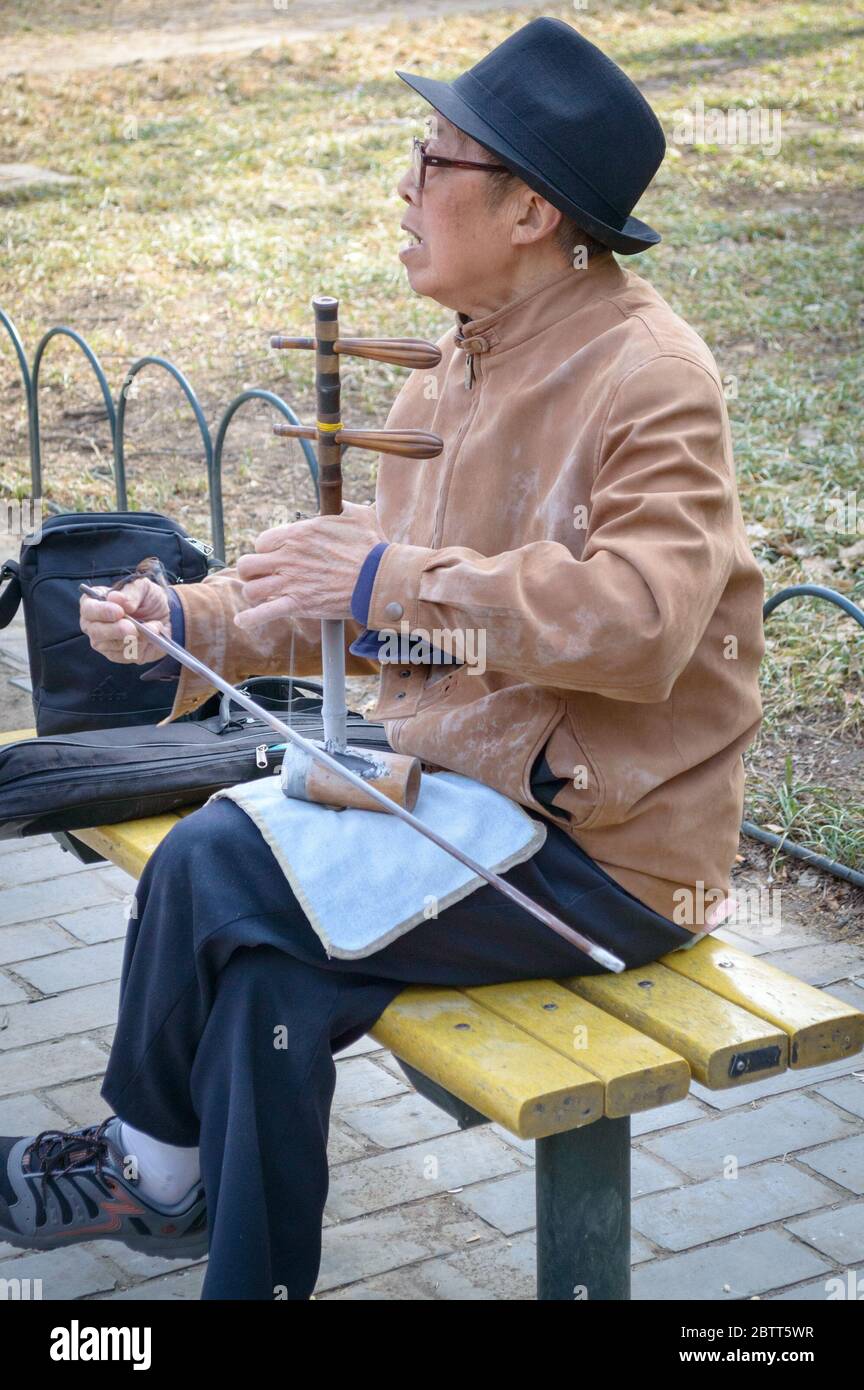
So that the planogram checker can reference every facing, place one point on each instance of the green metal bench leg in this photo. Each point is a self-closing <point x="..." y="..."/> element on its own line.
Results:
<point x="583" y="1212"/>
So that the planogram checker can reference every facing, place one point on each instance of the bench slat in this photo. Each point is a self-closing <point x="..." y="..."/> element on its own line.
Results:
<point x="637" y="1072"/>
<point x="130" y="844"/>
<point x="487" y="1062"/>
<point x="723" y="1043"/>
<point x="820" y="1028"/>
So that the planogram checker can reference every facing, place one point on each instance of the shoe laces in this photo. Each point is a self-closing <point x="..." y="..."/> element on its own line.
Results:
<point x="57" y="1150"/>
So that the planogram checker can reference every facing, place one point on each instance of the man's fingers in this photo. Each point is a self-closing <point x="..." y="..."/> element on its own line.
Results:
<point x="260" y="590"/>
<point x="94" y="611"/>
<point x="254" y="566"/>
<point x="265" y="612"/>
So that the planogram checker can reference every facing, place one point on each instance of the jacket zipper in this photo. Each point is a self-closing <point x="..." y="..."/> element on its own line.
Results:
<point x="436" y="539"/>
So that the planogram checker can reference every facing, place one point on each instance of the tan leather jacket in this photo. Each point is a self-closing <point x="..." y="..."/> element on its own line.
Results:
<point x="583" y="527"/>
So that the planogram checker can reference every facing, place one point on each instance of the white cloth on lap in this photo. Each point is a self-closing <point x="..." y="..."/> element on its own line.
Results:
<point x="364" y="878"/>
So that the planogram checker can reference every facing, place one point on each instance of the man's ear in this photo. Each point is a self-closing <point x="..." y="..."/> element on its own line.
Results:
<point x="534" y="217"/>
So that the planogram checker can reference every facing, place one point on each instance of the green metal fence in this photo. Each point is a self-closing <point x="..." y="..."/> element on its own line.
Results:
<point x="115" y="412"/>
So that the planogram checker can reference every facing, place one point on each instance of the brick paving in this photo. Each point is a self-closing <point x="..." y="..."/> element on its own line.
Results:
<point x="745" y="1194"/>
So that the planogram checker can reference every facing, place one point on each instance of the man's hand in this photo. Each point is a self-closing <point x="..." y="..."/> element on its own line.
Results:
<point x="309" y="568"/>
<point x="109" y="629"/>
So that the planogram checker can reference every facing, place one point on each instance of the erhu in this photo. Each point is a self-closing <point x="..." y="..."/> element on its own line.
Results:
<point x="395" y="774"/>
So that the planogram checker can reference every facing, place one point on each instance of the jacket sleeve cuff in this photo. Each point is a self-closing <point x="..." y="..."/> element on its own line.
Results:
<point x="365" y="580"/>
<point x="168" y="669"/>
<point x="395" y="598"/>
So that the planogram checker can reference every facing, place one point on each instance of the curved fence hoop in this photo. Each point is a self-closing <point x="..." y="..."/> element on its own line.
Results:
<point x="814" y="591"/>
<point x="253" y="394"/>
<point x="780" y="842"/>
<point x="24" y="368"/>
<point x="119" y="441"/>
<point x="62" y="331"/>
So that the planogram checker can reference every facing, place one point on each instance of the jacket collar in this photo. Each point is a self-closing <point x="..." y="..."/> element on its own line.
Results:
<point x="553" y="299"/>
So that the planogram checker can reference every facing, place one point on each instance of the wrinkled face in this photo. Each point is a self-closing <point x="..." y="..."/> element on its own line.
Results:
<point x="459" y="247"/>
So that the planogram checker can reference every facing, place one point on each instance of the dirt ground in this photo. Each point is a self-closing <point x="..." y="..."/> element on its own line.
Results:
<point x="104" y="35"/>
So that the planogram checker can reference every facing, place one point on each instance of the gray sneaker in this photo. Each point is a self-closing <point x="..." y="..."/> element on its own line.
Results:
<point x="61" y="1187"/>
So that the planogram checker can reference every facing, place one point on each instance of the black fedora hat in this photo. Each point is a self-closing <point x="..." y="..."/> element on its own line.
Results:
<point x="565" y="119"/>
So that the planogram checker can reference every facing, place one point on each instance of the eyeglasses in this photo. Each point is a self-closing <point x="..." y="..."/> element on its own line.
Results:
<point x="421" y="160"/>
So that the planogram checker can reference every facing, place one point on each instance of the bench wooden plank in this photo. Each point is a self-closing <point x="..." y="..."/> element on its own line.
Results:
<point x="637" y="1072"/>
<point x="487" y="1062"/>
<point x="723" y="1043"/>
<point x="130" y="844"/>
<point x="820" y="1028"/>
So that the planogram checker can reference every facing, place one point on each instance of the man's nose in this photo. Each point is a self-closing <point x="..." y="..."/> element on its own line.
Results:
<point x="407" y="188"/>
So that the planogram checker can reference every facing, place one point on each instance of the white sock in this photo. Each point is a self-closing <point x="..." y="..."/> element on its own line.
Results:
<point x="165" y="1172"/>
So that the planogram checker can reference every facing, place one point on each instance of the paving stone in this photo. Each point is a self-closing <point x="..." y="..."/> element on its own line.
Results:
<point x="81" y="1101"/>
<point x="649" y="1175"/>
<point x="28" y="1114"/>
<point x="118" y="878"/>
<point x="49" y="863"/>
<point x="508" y="1204"/>
<point x="830" y="1288"/>
<point x="75" y="967"/>
<point x="360" y="1048"/>
<point x="848" y="1093"/>
<point x="736" y="1269"/>
<point x="70" y="1273"/>
<point x="838" y="1234"/>
<point x="75" y="1011"/>
<point x="20" y="842"/>
<point x="342" y="1145"/>
<point x="450" y="1161"/>
<point x="11" y="992"/>
<point x="388" y="1240"/>
<point x="497" y="1270"/>
<point x="777" y="1127"/>
<point x="640" y="1250"/>
<point x="358" y="1081"/>
<point x="528" y="1147"/>
<point x="94" y="924"/>
<point x="723" y="1206"/>
<point x="760" y="938"/>
<point x="842" y="1162"/>
<point x="405" y="1120"/>
<point x="34" y="900"/>
<point x="804" y="1080"/>
<point x="821" y="964"/>
<point x="665" y="1116"/>
<point x="31" y="1067"/>
<point x="851" y="992"/>
<point x="184" y="1285"/>
<point x="27" y="942"/>
<point x="136" y="1266"/>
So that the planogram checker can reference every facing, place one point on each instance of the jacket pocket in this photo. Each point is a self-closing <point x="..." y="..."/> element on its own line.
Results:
<point x="568" y="755"/>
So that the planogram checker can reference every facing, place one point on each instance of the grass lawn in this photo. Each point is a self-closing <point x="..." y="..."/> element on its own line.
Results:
<point x="214" y="197"/>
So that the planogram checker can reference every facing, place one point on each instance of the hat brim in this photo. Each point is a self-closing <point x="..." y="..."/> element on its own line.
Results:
<point x="633" y="236"/>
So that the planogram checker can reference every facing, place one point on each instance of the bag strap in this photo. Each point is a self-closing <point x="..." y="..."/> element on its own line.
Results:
<point x="11" y="595"/>
<point x="256" y="686"/>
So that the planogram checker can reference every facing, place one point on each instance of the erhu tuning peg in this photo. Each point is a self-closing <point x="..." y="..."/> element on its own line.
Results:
<point x="401" y="352"/>
<point x="412" y="444"/>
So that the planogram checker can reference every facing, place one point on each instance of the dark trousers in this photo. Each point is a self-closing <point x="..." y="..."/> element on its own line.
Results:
<point x="231" y="1011"/>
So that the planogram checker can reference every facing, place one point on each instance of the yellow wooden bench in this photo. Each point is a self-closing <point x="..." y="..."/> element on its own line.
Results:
<point x="567" y="1062"/>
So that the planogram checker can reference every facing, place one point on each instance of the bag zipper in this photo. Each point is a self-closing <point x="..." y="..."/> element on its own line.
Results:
<point x="261" y="754"/>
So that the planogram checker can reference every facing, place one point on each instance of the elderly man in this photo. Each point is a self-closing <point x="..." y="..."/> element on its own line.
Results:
<point x="584" y="518"/>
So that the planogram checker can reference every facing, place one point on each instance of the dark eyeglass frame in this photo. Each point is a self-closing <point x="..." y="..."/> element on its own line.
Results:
<point x="421" y="160"/>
